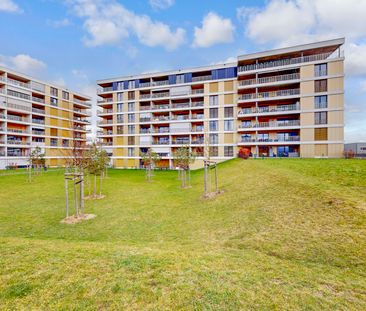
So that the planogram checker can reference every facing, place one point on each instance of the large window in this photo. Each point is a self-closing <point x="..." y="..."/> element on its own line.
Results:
<point x="131" y="129"/>
<point x="180" y="79"/>
<point x="131" y="152"/>
<point x="131" y="84"/>
<point x="119" y="118"/>
<point x="131" y="106"/>
<point x="228" y="112"/>
<point x="131" y="117"/>
<point x="321" y="134"/>
<point x="321" y="117"/>
<point x="214" y="151"/>
<point x="119" y="107"/>
<point x="65" y="95"/>
<point x="214" y="126"/>
<point x="214" y="113"/>
<point x="321" y="102"/>
<point x="119" y="97"/>
<point x="228" y="125"/>
<point x="131" y="95"/>
<point x="214" y="139"/>
<point x="54" y="91"/>
<point x="228" y="151"/>
<point x="214" y="100"/>
<point x="320" y="86"/>
<point x="54" y="101"/>
<point x="320" y="70"/>
<point x="131" y="140"/>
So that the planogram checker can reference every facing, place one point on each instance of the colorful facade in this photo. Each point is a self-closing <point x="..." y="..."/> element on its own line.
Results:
<point x="36" y="113"/>
<point x="280" y="103"/>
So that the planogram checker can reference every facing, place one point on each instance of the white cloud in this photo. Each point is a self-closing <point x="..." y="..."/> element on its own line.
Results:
<point x="23" y="63"/>
<point x="288" y="22"/>
<point x="59" y="23"/>
<point x="108" y="22"/>
<point x="161" y="4"/>
<point x="215" y="29"/>
<point x="9" y="6"/>
<point x="230" y="59"/>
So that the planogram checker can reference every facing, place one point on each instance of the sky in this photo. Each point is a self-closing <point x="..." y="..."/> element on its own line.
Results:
<point x="73" y="43"/>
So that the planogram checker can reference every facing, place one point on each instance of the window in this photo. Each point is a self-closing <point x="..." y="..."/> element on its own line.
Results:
<point x="228" y="151"/>
<point x="53" y="141"/>
<point x="214" y="113"/>
<point x="119" y="118"/>
<point x="119" y="97"/>
<point x="320" y="86"/>
<point x="180" y="79"/>
<point x="131" y="95"/>
<point x="228" y="125"/>
<point x="131" y="106"/>
<point x="131" y="117"/>
<point x="54" y="92"/>
<point x="320" y="117"/>
<point x="131" y="129"/>
<point x="229" y="112"/>
<point x="65" y="143"/>
<point x="214" y="151"/>
<point x="214" y="126"/>
<point x="54" y="101"/>
<point x="321" y="134"/>
<point x="131" y="152"/>
<point x="119" y="129"/>
<point x="320" y="70"/>
<point x="120" y="86"/>
<point x="214" y="100"/>
<point x="321" y="102"/>
<point x="119" y="107"/>
<point x="131" y="84"/>
<point x="65" y="95"/>
<point x="131" y="140"/>
<point x="214" y="139"/>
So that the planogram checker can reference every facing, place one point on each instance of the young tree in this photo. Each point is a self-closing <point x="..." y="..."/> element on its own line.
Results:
<point x="97" y="160"/>
<point x="183" y="157"/>
<point x="149" y="159"/>
<point x="35" y="160"/>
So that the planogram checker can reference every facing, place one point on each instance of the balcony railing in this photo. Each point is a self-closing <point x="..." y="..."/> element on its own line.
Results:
<point x="201" y="78"/>
<point x="278" y="139"/>
<point x="38" y="100"/>
<point x="197" y="104"/>
<point x="17" y="142"/>
<point x="145" y="84"/>
<point x="105" y="89"/>
<point x="293" y="76"/>
<point x="282" y="108"/>
<point x="18" y="107"/>
<point x="105" y="100"/>
<point x="37" y="121"/>
<point x="180" y="142"/>
<point x="197" y="142"/>
<point x="18" y="83"/>
<point x="36" y="110"/>
<point x="10" y="130"/>
<point x="161" y="142"/>
<point x="290" y="92"/>
<point x="17" y="118"/>
<point x="160" y="107"/>
<point x="270" y="124"/>
<point x="160" y="83"/>
<point x="285" y="62"/>
<point x="36" y="132"/>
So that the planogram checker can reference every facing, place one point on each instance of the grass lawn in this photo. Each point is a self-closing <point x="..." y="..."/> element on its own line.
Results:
<point x="286" y="234"/>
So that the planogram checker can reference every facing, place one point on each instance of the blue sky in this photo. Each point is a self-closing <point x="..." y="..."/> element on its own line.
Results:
<point x="75" y="42"/>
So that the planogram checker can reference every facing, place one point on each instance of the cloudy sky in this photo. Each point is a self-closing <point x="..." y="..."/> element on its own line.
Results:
<point x="75" y="42"/>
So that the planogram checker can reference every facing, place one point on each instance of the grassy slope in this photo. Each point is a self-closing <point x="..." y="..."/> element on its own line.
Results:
<point x="285" y="234"/>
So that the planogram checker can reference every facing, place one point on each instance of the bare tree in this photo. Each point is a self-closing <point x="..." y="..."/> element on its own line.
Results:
<point x="149" y="159"/>
<point x="35" y="161"/>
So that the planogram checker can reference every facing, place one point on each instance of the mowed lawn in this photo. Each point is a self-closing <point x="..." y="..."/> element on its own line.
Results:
<point x="286" y="234"/>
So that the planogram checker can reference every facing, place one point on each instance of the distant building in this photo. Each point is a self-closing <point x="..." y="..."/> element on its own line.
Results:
<point x="358" y="148"/>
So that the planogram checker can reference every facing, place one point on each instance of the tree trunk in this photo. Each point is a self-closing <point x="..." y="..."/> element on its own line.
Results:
<point x="76" y="199"/>
<point x="95" y="184"/>
<point x="205" y="178"/>
<point x="67" y="197"/>
<point x="100" y="185"/>
<point x="89" y="185"/>
<point x="82" y="194"/>
<point x="216" y="180"/>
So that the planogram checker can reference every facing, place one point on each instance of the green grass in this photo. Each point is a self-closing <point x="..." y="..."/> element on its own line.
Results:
<point x="286" y="234"/>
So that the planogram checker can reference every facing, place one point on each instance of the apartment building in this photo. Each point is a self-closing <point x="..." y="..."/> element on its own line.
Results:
<point x="36" y="113"/>
<point x="286" y="102"/>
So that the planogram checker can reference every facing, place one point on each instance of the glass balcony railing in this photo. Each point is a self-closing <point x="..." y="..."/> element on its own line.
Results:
<point x="288" y="61"/>
<point x="264" y="140"/>
<point x="273" y="79"/>
<point x="271" y="94"/>
<point x="259" y="110"/>
<point x="270" y="124"/>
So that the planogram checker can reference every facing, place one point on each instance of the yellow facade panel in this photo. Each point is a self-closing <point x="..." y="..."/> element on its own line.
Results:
<point x="214" y="87"/>
<point x="336" y="68"/>
<point x="335" y="85"/>
<point x="307" y="71"/>
<point x="228" y="86"/>
<point x="307" y="87"/>
<point x="321" y="150"/>
<point x="228" y="99"/>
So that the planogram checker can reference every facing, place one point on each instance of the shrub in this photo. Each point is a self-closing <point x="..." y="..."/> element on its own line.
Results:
<point x="244" y="153"/>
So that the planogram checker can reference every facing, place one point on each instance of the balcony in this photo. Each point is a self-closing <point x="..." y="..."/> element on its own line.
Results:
<point x="270" y="140"/>
<point x="38" y="100"/>
<point x="39" y="111"/>
<point x="161" y="118"/>
<point x="105" y="89"/>
<point x="180" y="142"/>
<point x="180" y="105"/>
<point x="274" y="79"/>
<point x="197" y="142"/>
<point x="160" y="107"/>
<point x="18" y="107"/>
<point x="17" y="131"/>
<point x="145" y="119"/>
<point x="254" y="125"/>
<point x="197" y="104"/>
<point x="161" y="142"/>
<point x="201" y="78"/>
<point x="36" y="132"/>
<point x="181" y="117"/>
<point x="17" y="142"/>
<point x="145" y="84"/>
<point x="160" y="83"/>
<point x="260" y="110"/>
<point x="17" y="118"/>
<point x="285" y="62"/>
<point x="38" y="121"/>
<point x="18" y="83"/>
<point x="109" y="121"/>
<point x="105" y="111"/>
<point x="271" y="94"/>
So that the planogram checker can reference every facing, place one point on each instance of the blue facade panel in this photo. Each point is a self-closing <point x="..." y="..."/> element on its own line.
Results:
<point x="114" y="86"/>
<point x="125" y="85"/>
<point x="188" y="77"/>
<point x="172" y="79"/>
